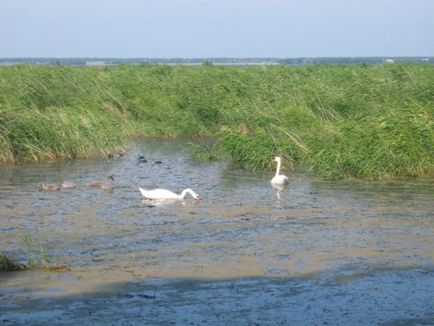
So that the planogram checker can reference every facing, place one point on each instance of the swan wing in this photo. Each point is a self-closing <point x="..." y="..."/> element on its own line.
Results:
<point x="158" y="194"/>
<point x="279" y="179"/>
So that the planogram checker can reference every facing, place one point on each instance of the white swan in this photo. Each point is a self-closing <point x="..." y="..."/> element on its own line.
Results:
<point x="167" y="194"/>
<point x="279" y="179"/>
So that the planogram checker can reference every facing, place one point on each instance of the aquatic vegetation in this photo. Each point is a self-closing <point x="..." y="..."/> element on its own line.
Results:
<point x="337" y="120"/>
<point x="37" y="257"/>
<point x="203" y="153"/>
<point x="9" y="265"/>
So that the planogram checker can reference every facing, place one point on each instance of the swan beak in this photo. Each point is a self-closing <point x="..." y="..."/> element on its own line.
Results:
<point x="198" y="198"/>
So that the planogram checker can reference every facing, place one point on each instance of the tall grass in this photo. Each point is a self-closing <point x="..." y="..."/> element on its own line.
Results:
<point x="56" y="113"/>
<point x="357" y="120"/>
<point x="37" y="257"/>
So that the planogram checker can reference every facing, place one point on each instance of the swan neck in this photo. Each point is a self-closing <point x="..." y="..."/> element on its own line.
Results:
<point x="278" y="167"/>
<point x="183" y="193"/>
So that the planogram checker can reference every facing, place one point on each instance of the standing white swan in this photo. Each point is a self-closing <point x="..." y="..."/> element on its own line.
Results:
<point x="279" y="179"/>
<point x="167" y="194"/>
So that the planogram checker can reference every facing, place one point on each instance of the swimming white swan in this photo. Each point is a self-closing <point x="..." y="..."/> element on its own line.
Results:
<point x="167" y="194"/>
<point x="279" y="179"/>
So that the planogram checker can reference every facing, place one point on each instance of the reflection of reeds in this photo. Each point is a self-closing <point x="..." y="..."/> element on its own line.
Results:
<point x="354" y="120"/>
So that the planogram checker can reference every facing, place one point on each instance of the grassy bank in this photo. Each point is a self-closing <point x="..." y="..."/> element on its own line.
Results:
<point x="358" y="120"/>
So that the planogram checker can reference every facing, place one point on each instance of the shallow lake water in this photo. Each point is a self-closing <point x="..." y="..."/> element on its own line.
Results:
<point x="317" y="252"/>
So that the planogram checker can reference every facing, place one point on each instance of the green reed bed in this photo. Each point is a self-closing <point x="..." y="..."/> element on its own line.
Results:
<point x="355" y="120"/>
<point x="56" y="113"/>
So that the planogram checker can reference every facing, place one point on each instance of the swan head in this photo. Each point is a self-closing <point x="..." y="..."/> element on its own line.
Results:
<point x="196" y="196"/>
<point x="277" y="159"/>
<point x="193" y="194"/>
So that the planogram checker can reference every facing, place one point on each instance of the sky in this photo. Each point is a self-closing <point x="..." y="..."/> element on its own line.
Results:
<point x="216" y="28"/>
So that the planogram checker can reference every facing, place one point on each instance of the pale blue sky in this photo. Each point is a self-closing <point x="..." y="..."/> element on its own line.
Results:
<point x="216" y="28"/>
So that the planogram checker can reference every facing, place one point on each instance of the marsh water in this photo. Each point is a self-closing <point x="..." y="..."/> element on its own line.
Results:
<point x="317" y="252"/>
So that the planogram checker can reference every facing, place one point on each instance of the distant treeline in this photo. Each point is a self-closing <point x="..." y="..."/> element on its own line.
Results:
<point x="217" y="61"/>
<point x="337" y="120"/>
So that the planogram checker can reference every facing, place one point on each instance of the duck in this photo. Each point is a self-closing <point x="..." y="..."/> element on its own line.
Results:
<point x="48" y="186"/>
<point x="279" y="179"/>
<point x="106" y="185"/>
<point x="141" y="159"/>
<point x="68" y="185"/>
<point x="121" y="153"/>
<point x="167" y="194"/>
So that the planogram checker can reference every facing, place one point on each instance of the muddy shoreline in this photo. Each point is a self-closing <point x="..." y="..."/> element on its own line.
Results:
<point x="388" y="297"/>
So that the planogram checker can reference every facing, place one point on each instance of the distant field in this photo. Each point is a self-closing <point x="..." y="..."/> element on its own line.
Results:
<point x="216" y="61"/>
<point x="337" y="120"/>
